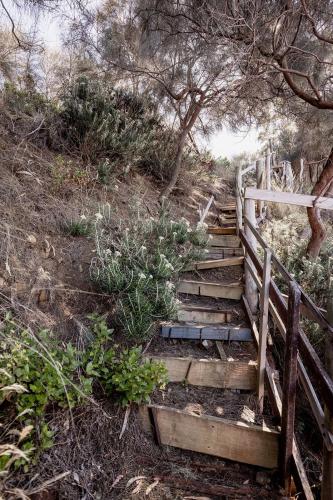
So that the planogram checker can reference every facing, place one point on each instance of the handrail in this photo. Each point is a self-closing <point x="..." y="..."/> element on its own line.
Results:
<point x="307" y="301"/>
<point x="312" y="375"/>
<point x="316" y="406"/>
<point x="307" y="352"/>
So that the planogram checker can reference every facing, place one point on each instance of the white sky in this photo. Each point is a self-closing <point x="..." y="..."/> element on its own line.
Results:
<point x="227" y="143"/>
<point x="222" y="143"/>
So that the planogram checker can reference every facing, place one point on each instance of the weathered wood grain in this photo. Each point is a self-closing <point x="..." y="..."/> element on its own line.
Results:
<point x="233" y="440"/>
<point x="217" y="290"/>
<point x="198" y="314"/>
<point x="211" y="372"/>
<point x="224" y="240"/>
<point x="216" y="263"/>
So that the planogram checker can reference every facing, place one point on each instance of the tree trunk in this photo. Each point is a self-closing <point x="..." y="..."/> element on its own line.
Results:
<point x="178" y="163"/>
<point x="317" y="227"/>
<point x="190" y="118"/>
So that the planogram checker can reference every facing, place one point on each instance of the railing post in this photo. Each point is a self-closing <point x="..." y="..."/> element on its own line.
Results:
<point x="268" y="176"/>
<point x="327" y="481"/>
<point x="260" y="182"/>
<point x="289" y="385"/>
<point x="239" y="205"/>
<point x="251" y="290"/>
<point x="263" y="327"/>
<point x="289" y="176"/>
<point x="268" y="162"/>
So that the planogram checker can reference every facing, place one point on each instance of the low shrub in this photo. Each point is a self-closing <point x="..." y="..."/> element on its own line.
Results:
<point x="140" y="265"/>
<point x="37" y="373"/>
<point x="45" y="373"/>
<point x="118" y="129"/>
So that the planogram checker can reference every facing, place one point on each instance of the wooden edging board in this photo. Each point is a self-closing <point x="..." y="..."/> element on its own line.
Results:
<point x="210" y="372"/>
<point x="216" y="263"/>
<point x="217" y="290"/>
<point x="222" y="253"/>
<point x="221" y="230"/>
<point x="232" y="440"/>
<point x="198" y="314"/>
<point x="224" y="240"/>
<point x="203" y="332"/>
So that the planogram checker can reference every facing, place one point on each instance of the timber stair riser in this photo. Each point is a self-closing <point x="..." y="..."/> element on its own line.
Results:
<point x="246" y="443"/>
<point x="203" y="315"/>
<point x="216" y="290"/>
<point x="224" y="253"/>
<point x="222" y="230"/>
<point x="224" y="240"/>
<point x="216" y="263"/>
<point x="239" y="375"/>
<point x="196" y="332"/>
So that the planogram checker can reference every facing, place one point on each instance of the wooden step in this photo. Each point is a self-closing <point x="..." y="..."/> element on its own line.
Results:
<point x="217" y="290"/>
<point x="228" y="439"/>
<point x="224" y="240"/>
<point x="204" y="332"/>
<point x="222" y="253"/>
<point x="227" y="207"/>
<point x="196" y="314"/>
<point x="216" y="263"/>
<point x="221" y="230"/>
<point x="240" y="375"/>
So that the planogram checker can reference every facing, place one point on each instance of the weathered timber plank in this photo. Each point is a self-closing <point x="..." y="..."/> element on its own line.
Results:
<point x="236" y="334"/>
<point x="219" y="346"/>
<point x="206" y="211"/>
<point x="250" y="444"/>
<point x="227" y="207"/>
<point x="224" y="240"/>
<point x="221" y="230"/>
<point x="191" y="287"/>
<point x="221" y="253"/>
<point x="210" y="372"/>
<point x="224" y="220"/>
<point x="216" y="263"/>
<point x="185" y="332"/>
<point x="217" y="290"/>
<point x="204" y="315"/>
<point x="175" y="331"/>
<point x="303" y="200"/>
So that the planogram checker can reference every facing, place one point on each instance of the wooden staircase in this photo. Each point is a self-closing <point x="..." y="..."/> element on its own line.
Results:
<point x="211" y="313"/>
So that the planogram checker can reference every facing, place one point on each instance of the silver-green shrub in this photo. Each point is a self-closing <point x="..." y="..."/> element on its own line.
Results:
<point x="140" y="265"/>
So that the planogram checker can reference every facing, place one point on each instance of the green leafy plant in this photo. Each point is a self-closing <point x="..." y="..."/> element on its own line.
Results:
<point x="47" y="374"/>
<point x="133" y="380"/>
<point x="36" y="374"/>
<point x="121" y="372"/>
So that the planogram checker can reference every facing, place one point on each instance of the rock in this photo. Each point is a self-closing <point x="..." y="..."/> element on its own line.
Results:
<point x="207" y="344"/>
<point x="32" y="239"/>
<point x="262" y="478"/>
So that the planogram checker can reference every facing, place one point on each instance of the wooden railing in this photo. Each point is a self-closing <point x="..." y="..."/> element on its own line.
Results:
<point x="263" y="299"/>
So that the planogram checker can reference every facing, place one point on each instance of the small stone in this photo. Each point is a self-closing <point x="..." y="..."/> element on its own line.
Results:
<point x="32" y="239"/>
<point x="262" y="478"/>
<point x="208" y="344"/>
